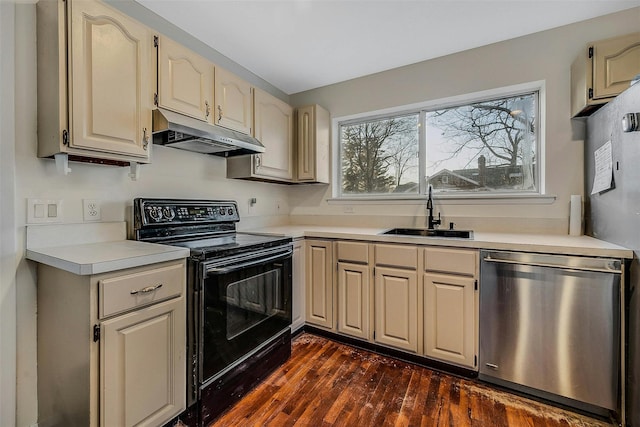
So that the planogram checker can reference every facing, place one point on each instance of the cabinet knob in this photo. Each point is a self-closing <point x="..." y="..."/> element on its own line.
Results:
<point x="258" y="160"/>
<point x="208" y="109"/>
<point x="219" y="112"/>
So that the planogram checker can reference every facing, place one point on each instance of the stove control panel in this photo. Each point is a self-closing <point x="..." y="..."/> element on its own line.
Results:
<point x="176" y="212"/>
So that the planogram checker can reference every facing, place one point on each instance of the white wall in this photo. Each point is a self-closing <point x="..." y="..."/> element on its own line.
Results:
<point x="7" y="223"/>
<point x="542" y="56"/>
<point x="173" y="173"/>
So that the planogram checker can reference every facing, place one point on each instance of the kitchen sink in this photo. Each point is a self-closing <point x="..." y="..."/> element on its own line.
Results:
<point x="426" y="232"/>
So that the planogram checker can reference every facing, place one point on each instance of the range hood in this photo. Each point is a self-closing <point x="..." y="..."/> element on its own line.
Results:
<point x="184" y="132"/>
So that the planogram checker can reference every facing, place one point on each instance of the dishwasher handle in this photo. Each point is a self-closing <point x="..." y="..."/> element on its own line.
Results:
<point x="555" y="261"/>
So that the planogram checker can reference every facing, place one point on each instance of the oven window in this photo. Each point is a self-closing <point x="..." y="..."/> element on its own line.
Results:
<point x="251" y="301"/>
<point x="242" y="308"/>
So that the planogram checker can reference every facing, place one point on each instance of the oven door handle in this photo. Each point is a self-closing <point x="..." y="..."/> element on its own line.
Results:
<point x="240" y="266"/>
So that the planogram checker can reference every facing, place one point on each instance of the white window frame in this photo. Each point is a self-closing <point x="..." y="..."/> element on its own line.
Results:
<point x="539" y="196"/>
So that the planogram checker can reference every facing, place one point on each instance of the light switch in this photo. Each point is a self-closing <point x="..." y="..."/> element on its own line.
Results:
<point x="44" y="210"/>
<point x="38" y="210"/>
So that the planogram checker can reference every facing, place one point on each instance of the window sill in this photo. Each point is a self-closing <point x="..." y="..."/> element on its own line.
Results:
<point x="450" y="199"/>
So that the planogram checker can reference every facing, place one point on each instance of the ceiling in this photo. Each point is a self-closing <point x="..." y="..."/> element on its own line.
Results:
<point x="298" y="45"/>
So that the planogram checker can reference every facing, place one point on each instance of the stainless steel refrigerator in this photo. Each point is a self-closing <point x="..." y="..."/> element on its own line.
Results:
<point x="614" y="216"/>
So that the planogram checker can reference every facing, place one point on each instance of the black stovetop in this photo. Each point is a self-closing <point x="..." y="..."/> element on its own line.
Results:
<point x="206" y="227"/>
<point x="220" y="246"/>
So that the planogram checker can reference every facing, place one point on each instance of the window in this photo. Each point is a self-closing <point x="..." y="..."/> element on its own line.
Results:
<point x="488" y="146"/>
<point x="380" y="156"/>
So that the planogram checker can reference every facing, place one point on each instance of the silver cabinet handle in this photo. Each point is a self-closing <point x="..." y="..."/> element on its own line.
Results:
<point x="208" y="109"/>
<point x="147" y="289"/>
<point x="258" y="160"/>
<point x="219" y="112"/>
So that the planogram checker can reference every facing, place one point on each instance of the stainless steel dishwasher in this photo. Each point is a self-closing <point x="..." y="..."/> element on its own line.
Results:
<point x="550" y="326"/>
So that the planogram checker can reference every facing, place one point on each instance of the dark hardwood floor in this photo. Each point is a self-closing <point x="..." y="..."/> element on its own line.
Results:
<point x="330" y="384"/>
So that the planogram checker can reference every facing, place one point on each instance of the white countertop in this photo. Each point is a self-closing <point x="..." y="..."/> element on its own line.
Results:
<point x="545" y="243"/>
<point x="93" y="248"/>
<point x="102" y="257"/>
<point x="113" y="252"/>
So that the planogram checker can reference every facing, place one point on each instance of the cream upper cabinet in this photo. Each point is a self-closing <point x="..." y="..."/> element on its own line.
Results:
<point x="604" y="70"/>
<point x="451" y="305"/>
<point x="354" y="289"/>
<point x="274" y="129"/>
<point x="185" y="80"/>
<point x="233" y="102"/>
<point x="396" y="296"/>
<point x="313" y="139"/>
<point x="319" y="283"/>
<point x="95" y="82"/>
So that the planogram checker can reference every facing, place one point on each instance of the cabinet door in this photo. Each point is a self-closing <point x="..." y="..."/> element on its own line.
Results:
<point x="319" y="283"/>
<point x="396" y="308"/>
<point x="313" y="144"/>
<point x="450" y="318"/>
<point x="615" y="63"/>
<point x="110" y="81"/>
<point x="298" y="284"/>
<point x="274" y="129"/>
<point x="353" y="299"/>
<point x="185" y="80"/>
<point x="233" y="102"/>
<point x="142" y="366"/>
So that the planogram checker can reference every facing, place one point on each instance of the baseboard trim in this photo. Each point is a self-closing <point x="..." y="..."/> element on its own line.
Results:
<point x="390" y="352"/>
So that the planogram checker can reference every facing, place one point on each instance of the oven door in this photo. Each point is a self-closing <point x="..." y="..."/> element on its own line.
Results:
<point x="245" y="300"/>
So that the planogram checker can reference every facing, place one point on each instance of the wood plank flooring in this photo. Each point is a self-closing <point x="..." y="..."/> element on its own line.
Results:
<point x="325" y="383"/>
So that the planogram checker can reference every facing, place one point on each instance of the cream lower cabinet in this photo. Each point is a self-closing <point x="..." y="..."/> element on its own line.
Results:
<point x="298" y="305"/>
<point x="354" y="289"/>
<point x="95" y="83"/>
<point x="319" y="283"/>
<point x="141" y="381"/>
<point x="451" y="305"/>
<point x="111" y="347"/>
<point x="396" y="296"/>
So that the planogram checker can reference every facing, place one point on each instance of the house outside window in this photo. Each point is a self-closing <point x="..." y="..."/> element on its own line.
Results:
<point x="486" y="146"/>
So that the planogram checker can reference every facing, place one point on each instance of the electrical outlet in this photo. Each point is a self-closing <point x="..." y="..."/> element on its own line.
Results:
<point x="91" y="210"/>
<point x="41" y="211"/>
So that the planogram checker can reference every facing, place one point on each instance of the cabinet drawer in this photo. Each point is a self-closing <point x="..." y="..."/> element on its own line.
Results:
<point x="353" y="252"/>
<point x="454" y="261"/>
<point x="397" y="256"/>
<point x="140" y="288"/>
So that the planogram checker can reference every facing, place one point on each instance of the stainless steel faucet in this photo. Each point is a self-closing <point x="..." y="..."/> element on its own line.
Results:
<point x="432" y="223"/>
